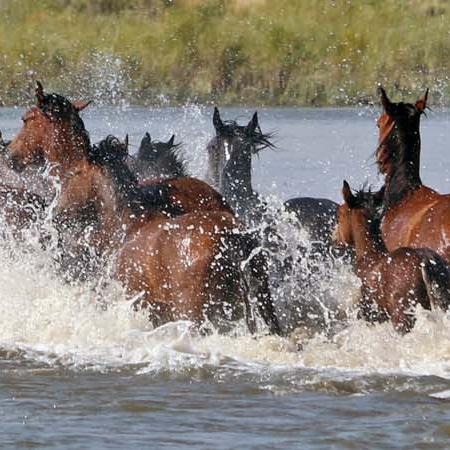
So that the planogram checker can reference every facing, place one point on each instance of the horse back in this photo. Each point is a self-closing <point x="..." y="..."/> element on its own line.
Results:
<point x="193" y="195"/>
<point x="421" y="220"/>
<point x="317" y="215"/>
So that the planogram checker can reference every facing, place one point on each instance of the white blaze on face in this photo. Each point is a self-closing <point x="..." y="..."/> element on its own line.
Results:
<point x="227" y="151"/>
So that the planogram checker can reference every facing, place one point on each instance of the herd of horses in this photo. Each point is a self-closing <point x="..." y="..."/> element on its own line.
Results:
<point x="189" y="249"/>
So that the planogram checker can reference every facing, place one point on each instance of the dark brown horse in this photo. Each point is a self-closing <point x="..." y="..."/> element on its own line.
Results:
<point x="415" y="215"/>
<point x="393" y="283"/>
<point x="230" y="155"/>
<point x="186" y="266"/>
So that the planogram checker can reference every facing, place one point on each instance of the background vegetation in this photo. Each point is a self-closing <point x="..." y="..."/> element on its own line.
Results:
<point x="290" y="52"/>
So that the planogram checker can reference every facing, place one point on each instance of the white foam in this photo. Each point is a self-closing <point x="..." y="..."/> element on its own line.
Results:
<point x="59" y="323"/>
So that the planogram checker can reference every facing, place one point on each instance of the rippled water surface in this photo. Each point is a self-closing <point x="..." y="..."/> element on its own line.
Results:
<point x="74" y="374"/>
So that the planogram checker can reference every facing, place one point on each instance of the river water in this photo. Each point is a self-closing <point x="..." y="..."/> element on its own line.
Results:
<point x="75" y="374"/>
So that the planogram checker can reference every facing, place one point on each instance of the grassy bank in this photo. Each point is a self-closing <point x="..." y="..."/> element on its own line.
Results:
<point x="290" y="52"/>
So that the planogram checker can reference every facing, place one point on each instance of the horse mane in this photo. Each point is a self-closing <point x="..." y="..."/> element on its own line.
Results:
<point x="366" y="198"/>
<point x="404" y="161"/>
<point x="111" y="154"/>
<point x="256" y="139"/>
<point x="60" y="108"/>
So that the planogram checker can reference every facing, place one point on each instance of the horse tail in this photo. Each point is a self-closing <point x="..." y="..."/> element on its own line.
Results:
<point x="254" y="266"/>
<point x="436" y="276"/>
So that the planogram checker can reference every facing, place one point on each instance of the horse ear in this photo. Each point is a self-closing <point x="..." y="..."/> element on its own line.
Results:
<point x="125" y="142"/>
<point x="217" y="121"/>
<point x="349" y="198"/>
<point x="253" y="124"/>
<point x="421" y="104"/>
<point x="79" y="105"/>
<point x="147" y="135"/>
<point x="384" y="99"/>
<point x="171" y="140"/>
<point x="40" y="93"/>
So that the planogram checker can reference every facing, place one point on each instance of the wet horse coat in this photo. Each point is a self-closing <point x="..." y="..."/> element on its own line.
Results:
<point x="184" y="266"/>
<point x="415" y="215"/>
<point x="54" y="132"/>
<point x="393" y="283"/>
<point x="229" y="169"/>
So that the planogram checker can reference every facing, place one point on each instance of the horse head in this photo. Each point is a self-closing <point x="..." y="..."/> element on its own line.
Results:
<point x="156" y="159"/>
<point x="52" y="132"/>
<point x="233" y="149"/>
<point x="360" y="213"/>
<point x="399" y="136"/>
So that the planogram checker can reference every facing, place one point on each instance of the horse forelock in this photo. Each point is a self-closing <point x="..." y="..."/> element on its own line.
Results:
<point x="61" y="109"/>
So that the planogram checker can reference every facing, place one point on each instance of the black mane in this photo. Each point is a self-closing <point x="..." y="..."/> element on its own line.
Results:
<point x="404" y="157"/>
<point x="256" y="139"/>
<point x="368" y="199"/>
<point x="110" y="153"/>
<point x="372" y="202"/>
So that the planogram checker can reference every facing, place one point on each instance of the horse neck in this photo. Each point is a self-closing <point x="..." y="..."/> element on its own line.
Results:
<point x="369" y="245"/>
<point x="67" y="146"/>
<point x="404" y="176"/>
<point x="114" y="216"/>
<point x="236" y="180"/>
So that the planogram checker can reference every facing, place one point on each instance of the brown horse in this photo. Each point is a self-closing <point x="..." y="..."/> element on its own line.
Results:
<point x="393" y="283"/>
<point x="184" y="266"/>
<point x="415" y="215"/>
<point x="53" y="132"/>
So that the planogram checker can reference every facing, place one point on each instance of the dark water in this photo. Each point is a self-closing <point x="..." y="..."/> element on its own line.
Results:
<point x="75" y="376"/>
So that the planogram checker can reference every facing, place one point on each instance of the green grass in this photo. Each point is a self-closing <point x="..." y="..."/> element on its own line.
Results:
<point x="288" y="52"/>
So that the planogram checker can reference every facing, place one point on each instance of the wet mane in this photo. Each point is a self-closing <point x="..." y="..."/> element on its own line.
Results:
<point x="256" y="139"/>
<point x="59" y="108"/>
<point x="404" y="154"/>
<point x="368" y="200"/>
<point x="110" y="153"/>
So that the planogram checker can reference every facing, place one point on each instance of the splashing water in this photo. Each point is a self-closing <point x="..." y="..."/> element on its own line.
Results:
<point x="92" y="325"/>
